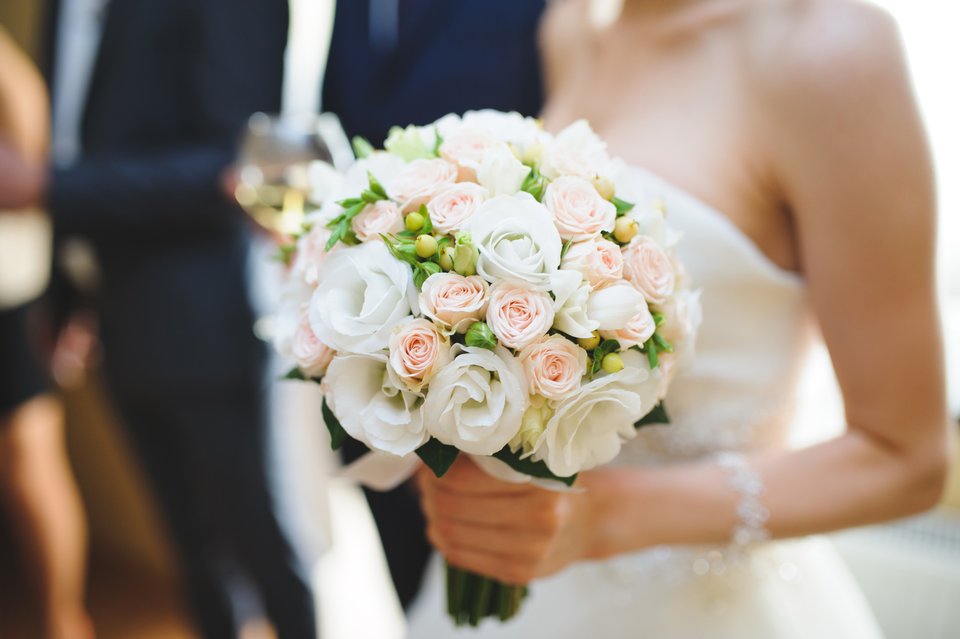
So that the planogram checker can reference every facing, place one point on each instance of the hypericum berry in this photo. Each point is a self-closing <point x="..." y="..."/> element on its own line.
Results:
<point x="426" y="245"/>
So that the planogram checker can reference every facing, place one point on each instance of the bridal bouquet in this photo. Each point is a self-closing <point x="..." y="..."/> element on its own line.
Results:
<point x="482" y="287"/>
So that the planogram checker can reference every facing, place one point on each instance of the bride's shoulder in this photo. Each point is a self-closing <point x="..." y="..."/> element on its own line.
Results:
<point x="821" y="48"/>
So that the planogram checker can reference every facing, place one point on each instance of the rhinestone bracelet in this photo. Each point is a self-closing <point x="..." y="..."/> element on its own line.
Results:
<point x="751" y="514"/>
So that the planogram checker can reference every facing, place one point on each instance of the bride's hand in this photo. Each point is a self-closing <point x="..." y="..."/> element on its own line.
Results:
<point x="512" y="532"/>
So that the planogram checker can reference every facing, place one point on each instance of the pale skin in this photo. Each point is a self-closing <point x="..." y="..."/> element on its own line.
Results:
<point x="796" y="119"/>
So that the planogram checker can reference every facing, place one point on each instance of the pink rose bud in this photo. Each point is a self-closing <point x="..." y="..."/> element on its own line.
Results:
<point x="383" y="217"/>
<point x="518" y="316"/>
<point x="553" y="366"/>
<point x="417" y="352"/>
<point x="637" y="331"/>
<point x="420" y="180"/>
<point x="578" y="210"/>
<point x="649" y="268"/>
<point x="454" y="205"/>
<point x="453" y="301"/>
<point x="600" y="261"/>
<point x="312" y="355"/>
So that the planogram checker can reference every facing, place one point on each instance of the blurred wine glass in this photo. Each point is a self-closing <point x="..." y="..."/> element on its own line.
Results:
<point x="278" y="157"/>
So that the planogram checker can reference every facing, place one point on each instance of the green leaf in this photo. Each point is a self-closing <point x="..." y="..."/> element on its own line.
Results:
<point x="430" y="268"/>
<point x="622" y="206"/>
<point x="529" y="467"/>
<point x="438" y="141"/>
<point x="437" y="456"/>
<point x="370" y="197"/>
<point x="375" y="186"/>
<point x="652" y="354"/>
<point x="566" y="247"/>
<point x="479" y="335"/>
<point x="295" y="373"/>
<point x="350" y="201"/>
<point x="606" y="347"/>
<point x="361" y="147"/>
<point x="656" y="416"/>
<point x="658" y="318"/>
<point x="662" y="345"/>
<point x="337" y="434"/>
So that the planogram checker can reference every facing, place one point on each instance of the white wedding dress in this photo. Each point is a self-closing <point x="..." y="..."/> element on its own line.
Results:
<point x="736" y="395"/>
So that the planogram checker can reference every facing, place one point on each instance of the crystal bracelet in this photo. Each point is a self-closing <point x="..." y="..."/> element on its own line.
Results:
<point x="751" y="514"/>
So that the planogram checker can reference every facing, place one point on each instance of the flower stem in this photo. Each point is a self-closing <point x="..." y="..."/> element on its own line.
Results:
<point x="471" y="597"/>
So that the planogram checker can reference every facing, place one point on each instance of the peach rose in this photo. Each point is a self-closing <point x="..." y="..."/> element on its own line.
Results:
<point x="466" y="148"/>
<point x="381" y="217"/>
<point x="312" y="355"/>
<point x="417" y="352"/>
<point x="637" y="331"/>
<point x="453" y="301"/>
<point x="518" y="316"/>
<point x="578" y="210"/>
<point x="421" y="180"/>
<point x="455" y="204"/>
<point x="600" y="261"/>
<point x="553" y="366"/>
<point x="649" y="268"/>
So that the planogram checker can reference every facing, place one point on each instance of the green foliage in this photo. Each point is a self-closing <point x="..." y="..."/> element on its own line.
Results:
<point x="606" y="346"/>
<point x="337" y="434"/>
<point x="623" y="207"/>
<point x="529" y="467"/>
<point x="479" y="335"/>
<point x="656" y="416"/>
<point x="437" y="456"/>
<point x="361" y="147"/>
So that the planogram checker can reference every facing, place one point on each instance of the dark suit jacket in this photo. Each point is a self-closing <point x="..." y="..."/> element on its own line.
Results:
<point x="451" y="56"/>
<point x="173" y="85"/>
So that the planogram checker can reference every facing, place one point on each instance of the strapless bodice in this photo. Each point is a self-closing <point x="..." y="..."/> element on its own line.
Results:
<point x="736" y="392"/>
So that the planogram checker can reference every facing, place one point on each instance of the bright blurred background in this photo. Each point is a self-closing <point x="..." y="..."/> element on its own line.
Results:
<point x="909" y="570"/>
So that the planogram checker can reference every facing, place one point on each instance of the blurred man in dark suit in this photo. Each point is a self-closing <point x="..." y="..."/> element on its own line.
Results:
<point x="399" y="62"/>
<point x="149" y="97"/>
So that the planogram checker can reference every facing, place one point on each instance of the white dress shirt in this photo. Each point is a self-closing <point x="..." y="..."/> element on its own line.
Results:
<point x="79" y="29"/>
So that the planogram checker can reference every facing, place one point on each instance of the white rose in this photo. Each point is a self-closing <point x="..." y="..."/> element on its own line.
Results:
<point x="500" y="172"/>
<point x="588" y="428"/>
<point x="467" y="148"/>
<point x="384" y="166"/>
<point x="649" y="268"/>
<point x="517" y="241"/>
<point x="600" y="261"/>
<point x="576" y="150"/>
<point x="570" y="304"/>
<point x="373" y="405"/>
<point x="578" y="210"/>
<point x="362" y="293"/>
<point x="477" y="401"/>
<point x="454" y="205"/>
<point x="613" y="307"/>
<point x="524" y="134"/>
<point x="294" y="300"/>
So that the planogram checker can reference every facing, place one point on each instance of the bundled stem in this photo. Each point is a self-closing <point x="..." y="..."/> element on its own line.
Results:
<point x="472" y="597"/>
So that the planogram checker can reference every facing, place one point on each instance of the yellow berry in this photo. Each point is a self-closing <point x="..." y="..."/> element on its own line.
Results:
<point x="414" y="221"/>
<point x="605" y="187"/>
<point x="612" y="363"/>
<point x="625" y="229"/>
<point x="446" y="258"/>
<point x="426" y="245"/>
<point x="589" y="343"/>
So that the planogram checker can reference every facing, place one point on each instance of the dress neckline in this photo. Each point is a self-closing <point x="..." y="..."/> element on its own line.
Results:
<point x="750" y="247"/>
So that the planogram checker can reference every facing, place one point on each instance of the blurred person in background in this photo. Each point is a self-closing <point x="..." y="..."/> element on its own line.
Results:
<point x="148" y="99"/>
<point x="37" y="490"/>
<point x="410" y="62"/>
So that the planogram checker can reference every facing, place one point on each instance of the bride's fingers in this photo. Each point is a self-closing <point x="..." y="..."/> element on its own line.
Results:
<point x="466" y="477"/>
<point x="506" y="569"/>
<point x="511" y="511"/>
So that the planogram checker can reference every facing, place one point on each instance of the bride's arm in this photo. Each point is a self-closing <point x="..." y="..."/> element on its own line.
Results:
<point x="848" y="149"/>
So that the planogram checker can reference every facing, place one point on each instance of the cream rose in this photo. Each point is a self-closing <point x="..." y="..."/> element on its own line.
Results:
<point x="554" y="366"/>
<point x="576" y="150"/>
<point x="501" y="172"/>
<point x="363" y="292"/>
<point x="614" y="306"/>
<point x="477" y="401"/>
<point x="373" y="405"/>
<point x="375" y="219"/>
<point x="517" y="241"/>
<point x="455" y="204"/>
<point x="600" y="261"/>
<point x="518" y="316"/>
<point x="421" y="180"/>
<point x="570" y="304"/>
<point x="649" y="268"/>
<point x="636" y="332"/>
<point x="312" y="355"/>
<point x="578" y="210"/>
<point x="417" y="352"/>
<point x="453" y="301"/>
